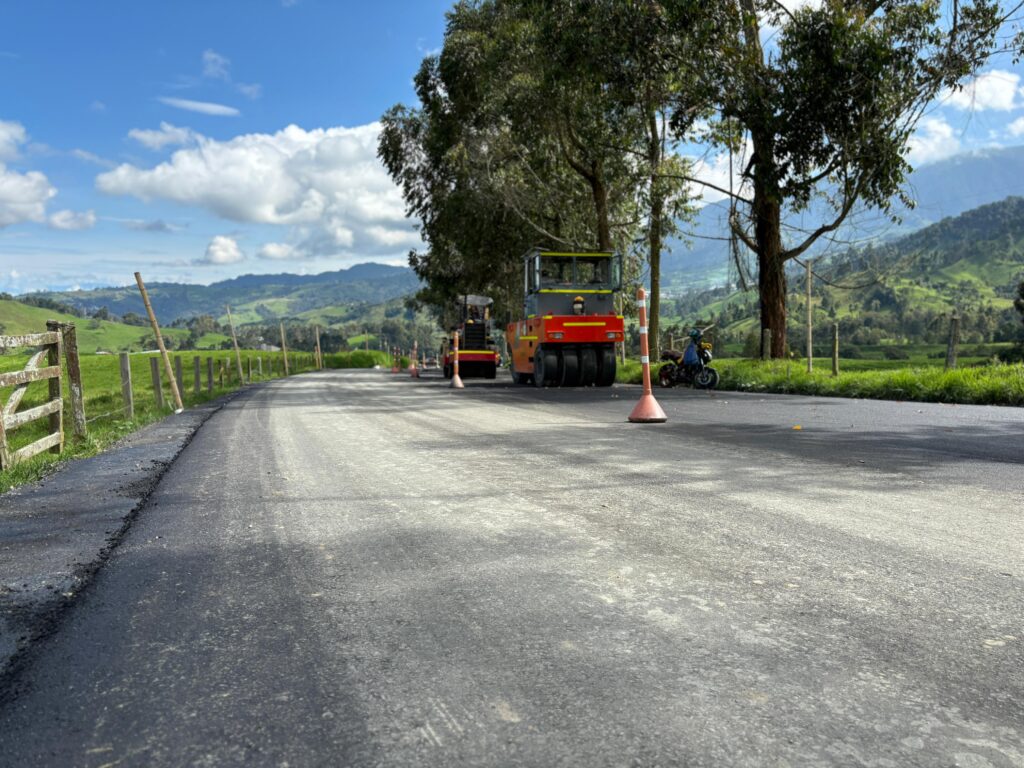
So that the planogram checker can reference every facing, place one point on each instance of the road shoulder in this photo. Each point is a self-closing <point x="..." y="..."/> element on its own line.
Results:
<point x="55" y="534"/>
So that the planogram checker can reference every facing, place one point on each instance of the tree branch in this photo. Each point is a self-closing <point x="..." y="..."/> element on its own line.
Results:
<point x="708" y="184"/>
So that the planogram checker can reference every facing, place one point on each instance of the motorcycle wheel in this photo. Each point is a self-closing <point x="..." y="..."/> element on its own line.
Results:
<point x="665" y="375"/>
<point x="706" y="378"/>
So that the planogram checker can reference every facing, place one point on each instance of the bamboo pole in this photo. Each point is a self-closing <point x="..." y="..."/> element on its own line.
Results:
<point x="160" y="344"/>
<point x="319" y="355"/>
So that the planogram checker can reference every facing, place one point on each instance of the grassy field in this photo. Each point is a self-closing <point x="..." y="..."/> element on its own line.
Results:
<point x="93" y="335"/>
<point x="105" y="407"/>
<point x="990" y="384"/>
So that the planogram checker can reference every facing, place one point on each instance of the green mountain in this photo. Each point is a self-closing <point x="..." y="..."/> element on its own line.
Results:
<point x="900" y="291"/>
<point x="253" y="298"/>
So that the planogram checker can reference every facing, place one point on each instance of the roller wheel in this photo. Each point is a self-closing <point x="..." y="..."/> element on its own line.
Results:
<point x="570" y="368"/>
<point x="606" y="367"/>
<point x="588" y="366"/>
<point x="545" y="367"/>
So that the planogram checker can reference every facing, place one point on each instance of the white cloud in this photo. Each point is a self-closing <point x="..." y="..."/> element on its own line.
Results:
<point x="23" y="196"/>
<point x="203" y="107"/>
<point x="1016" y="128"/>
<point x="216" y="66"/>
<point x="222" y="250"/>
<point x="250" y="90"/>
<point x="98" y="106"/>
<point x="997" y="89"/>
<point x="279" y="252"/>
<point x="157" y="225"/>
<point x="73" y="220"/>
<point x="167" y="135"/>
<point x="933" y="140"/>
<point x="12" y="135"/>
<point x="90" y="157"/>
<point x="325" y="184"/>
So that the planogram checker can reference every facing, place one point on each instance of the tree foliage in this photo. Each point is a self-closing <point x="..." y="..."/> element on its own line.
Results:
<point x="546" y="122"/>
<point x="827" y="97"/>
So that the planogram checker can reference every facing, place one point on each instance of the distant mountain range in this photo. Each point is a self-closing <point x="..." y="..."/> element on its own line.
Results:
<point x="252" y="297"/>
<point x="940" y="190"/>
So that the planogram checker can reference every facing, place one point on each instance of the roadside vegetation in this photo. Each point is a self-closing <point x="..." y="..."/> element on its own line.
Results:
<point x="984" y="383"/>
<point x="108" y="421"/>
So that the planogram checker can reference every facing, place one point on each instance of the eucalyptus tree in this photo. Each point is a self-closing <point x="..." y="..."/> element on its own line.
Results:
<point x="482" y="194"/>
<point x="826" y="96"/>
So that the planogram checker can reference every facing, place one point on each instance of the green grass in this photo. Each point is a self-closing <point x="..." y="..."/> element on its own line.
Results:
<point x="993" y="384"/>
<point x="93" y="335"/>
<point x="105" y="408"/>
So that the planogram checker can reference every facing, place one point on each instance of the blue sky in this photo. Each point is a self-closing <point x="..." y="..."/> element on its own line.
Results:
<point x="196" y="141"/>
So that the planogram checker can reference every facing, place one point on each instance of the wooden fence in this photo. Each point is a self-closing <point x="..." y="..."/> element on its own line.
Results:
<point x="53" y="408"/>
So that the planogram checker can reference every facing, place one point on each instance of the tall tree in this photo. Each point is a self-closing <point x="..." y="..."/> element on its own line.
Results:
<point x="827" y="97"/>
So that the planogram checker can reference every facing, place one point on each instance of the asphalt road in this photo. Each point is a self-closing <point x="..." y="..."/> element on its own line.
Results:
<point x="354" y="569"/>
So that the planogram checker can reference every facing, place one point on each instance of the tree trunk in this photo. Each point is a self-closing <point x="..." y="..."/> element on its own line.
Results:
<point x="771" y="265"/>
<point x="654" y="158"/>
<point x="654" y="257"/>
<point x="600" y="192"/>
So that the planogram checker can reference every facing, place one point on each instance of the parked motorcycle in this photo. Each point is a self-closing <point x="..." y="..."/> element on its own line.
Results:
<point x="690" y="366"/>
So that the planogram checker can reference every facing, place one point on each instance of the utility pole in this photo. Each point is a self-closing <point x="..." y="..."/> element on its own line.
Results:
<point x="810" y="318"/>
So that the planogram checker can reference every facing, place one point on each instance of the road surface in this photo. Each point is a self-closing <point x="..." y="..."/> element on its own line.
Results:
<point x="358" y="569"/>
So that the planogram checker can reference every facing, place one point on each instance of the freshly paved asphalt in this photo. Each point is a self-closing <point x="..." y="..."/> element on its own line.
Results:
<point x="354" y="569"/>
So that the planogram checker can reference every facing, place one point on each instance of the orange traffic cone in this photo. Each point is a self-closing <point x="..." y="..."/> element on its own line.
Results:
<point x="456" y="379"/>
<point x="647" y="411"/>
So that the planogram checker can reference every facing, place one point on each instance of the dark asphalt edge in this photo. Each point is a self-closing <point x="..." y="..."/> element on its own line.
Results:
<point x="42" y="614"/>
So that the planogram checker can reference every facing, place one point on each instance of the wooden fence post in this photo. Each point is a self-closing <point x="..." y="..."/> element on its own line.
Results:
<point x="954" y="342"/>
<point x="835" y="349"/>
<point x="197" y="375"/>
<point x="766" y="343"/>
<point x="179" y="374"/>
<point x="158" y="390"/>
<point x="319" y="354"/>
<point x="259" y="366"/>
<point x="160" y="343"/>
<point x="220" y="375"/>
<point x="53" y="358"/>
<point x="248" y="363"/>
<point x="126" y="386"/>
<point x="70" y="339"/>
<point x="209" y="374"/>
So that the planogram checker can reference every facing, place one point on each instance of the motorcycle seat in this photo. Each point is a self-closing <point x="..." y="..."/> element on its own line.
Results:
<point x="674" y="355"/>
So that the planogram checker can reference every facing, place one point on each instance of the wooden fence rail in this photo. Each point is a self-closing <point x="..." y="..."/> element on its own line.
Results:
<point x="10" y="419"/>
